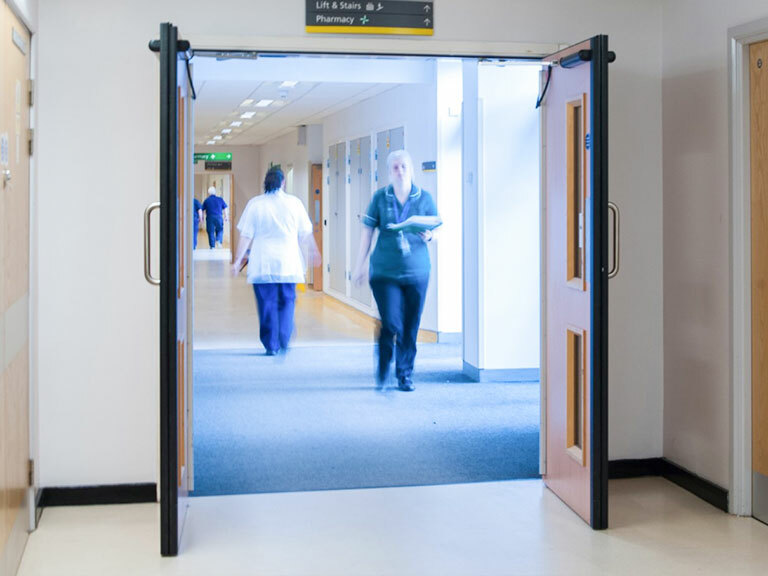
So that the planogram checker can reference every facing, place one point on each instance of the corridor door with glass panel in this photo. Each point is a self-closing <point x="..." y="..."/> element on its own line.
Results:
<point x="316" y="214"/>
<point x="575" y="252"/>
<point x="387" y="141"/>
<point x="176" y="182"/>
<point x="14" y="290"/>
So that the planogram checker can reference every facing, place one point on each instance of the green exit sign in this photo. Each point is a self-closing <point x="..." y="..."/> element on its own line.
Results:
<point x="214" y="156"/>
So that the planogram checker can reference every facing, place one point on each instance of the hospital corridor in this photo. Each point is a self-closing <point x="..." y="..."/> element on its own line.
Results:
<point x="395" y="288"/>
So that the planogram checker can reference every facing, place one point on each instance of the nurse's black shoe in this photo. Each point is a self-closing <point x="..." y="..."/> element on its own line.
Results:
<point x="406" y="384"/>
<point x="271" y="352"/>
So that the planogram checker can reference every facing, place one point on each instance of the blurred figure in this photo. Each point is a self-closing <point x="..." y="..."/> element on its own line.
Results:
<point x="197" y="215"/>
<point x="274" y="226"/>
<point x="399" y="265"/>
<point x="215" y="215"/>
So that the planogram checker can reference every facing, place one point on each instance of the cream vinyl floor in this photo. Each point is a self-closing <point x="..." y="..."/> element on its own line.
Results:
<point x="502" y="528"/>
<point x="226" y="316"/>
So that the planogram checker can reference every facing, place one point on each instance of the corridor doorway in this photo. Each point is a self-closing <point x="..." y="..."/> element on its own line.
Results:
<point x="332" y="353"/>
<point x="592" y="55"/>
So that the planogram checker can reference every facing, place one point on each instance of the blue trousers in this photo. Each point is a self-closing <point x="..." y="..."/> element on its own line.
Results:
<point x="215" y="228"/>
<point x="275" y="303"/>
<point x="400" y="307"/>
<point x="195" y="228"/>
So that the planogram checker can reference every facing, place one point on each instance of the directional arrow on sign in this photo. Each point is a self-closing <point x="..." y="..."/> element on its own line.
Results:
<point x="427" y="21"/>
<point x="427" y="8"/>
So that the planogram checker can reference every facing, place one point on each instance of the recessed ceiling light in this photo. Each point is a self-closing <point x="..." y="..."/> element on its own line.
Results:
<point x="211" y="142"/>
<point x="217" y="137"/>
<point x="263" y="103"/>
<point x="236" y="123"/>
<point x="289" y="84"/>
<point x="247" y="114"/>
<point x="247" y="102"/>
<point x="226" y="130"/>
<point x="279" y="103"/>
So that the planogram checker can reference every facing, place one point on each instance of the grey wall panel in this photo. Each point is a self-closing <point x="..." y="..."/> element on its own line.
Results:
<point x="387" y="141"/>
<point x="341" y="237"/>
<point x="360" y="197"/>
<point x="397" y="139"/>
<point x="338" y="226"/>
<point x="382" y="140"/>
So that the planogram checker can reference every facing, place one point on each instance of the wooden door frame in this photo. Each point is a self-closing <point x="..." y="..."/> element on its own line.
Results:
<point x="739" y="40"/>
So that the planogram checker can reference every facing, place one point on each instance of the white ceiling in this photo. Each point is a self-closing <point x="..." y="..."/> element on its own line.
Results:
<point x="326" y="84"/>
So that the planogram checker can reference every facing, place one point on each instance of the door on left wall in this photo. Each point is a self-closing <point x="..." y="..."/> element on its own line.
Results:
<point x="14" y="290"/>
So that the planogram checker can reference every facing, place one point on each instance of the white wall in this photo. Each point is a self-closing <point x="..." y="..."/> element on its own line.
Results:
<point x="697" y="232"/>
<point x="449" y="236"/>
<point x="26" y="10"/>
<point x="98" y="357"/>
<point x="414" y="107"/>
<point x="509" y="226"/>
<point x="286" y="152"/>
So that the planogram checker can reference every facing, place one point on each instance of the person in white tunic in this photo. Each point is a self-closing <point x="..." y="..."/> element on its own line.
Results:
<point x="275" y="226"/>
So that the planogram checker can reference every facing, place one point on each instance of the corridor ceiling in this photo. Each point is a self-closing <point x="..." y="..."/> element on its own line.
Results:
<point x="293" y="90"/>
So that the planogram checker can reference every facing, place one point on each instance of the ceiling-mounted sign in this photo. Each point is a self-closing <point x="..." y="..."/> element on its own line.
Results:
<point x="213" y="156"/>
<point x="217" y="165"/>
<point x="393" y="17"/>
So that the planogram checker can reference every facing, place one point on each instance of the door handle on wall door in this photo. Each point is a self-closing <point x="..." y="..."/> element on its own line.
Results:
<point x="616" y="243"/>
<point x="147" y="242"/>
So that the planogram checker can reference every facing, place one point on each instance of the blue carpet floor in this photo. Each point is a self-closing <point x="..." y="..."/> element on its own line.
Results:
<point x="312" y="420"/>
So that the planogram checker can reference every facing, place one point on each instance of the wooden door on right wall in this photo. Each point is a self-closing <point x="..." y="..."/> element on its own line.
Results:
<point x="316" y="212"/>
<point x="758" y="81"/>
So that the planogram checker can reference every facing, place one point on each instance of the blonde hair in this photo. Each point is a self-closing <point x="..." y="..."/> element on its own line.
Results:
<point x="400" y="155"/>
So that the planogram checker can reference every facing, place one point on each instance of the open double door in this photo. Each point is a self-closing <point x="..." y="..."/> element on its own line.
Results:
<point x="575" y="285"/>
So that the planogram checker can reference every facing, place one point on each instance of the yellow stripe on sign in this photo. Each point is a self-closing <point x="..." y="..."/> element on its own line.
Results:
<point x="369" y="30"/>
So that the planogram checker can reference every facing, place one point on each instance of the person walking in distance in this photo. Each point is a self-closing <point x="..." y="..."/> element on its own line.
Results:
<point x="399" y="266"/>
<point x="275" y="227"/>
<point x="215" y="209"/>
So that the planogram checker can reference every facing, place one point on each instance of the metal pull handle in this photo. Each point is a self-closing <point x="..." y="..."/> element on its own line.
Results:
<point x="616" y="242"/>
<point x="147" y="242"/>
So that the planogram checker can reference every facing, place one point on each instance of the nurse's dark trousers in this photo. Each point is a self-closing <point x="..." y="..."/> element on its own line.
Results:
<point x="215" y="228"/>
<point x="400" y="307"/>
<point x="275" y="302"/>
